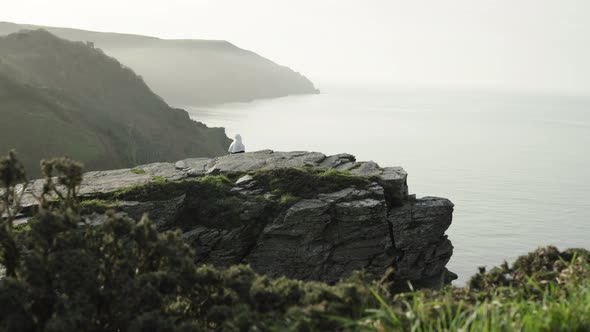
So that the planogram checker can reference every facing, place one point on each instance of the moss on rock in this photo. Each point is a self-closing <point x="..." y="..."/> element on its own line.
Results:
<point x="98" y="205"/>
<point x="159" y="189"/>
<point x="308" y="182"/>
<point x="137" y="171"/>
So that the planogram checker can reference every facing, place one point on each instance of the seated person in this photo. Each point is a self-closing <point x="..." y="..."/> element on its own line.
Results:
<point x="237" y="146"/>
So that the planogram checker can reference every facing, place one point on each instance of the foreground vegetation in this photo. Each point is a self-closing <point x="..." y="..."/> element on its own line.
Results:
<point x="62" y="274"/>
<point x="546" y="290"/>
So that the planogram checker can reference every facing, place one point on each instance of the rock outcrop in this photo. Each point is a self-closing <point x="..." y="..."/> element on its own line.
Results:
<point x="358" y="216"/>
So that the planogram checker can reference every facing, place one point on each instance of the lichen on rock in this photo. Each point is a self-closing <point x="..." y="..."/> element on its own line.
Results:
<point x="301" y="215"/>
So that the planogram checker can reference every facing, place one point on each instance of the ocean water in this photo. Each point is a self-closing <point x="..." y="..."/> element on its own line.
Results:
<point x="517" y="167"/>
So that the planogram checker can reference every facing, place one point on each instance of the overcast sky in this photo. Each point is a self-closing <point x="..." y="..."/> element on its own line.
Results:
<point x="526" y="45"/>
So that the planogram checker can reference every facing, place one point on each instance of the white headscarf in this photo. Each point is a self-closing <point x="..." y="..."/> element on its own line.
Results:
<point x="237" y="145"/>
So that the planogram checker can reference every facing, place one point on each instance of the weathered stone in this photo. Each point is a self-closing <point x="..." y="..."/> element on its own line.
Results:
<point x="244" y="179"/>
<point x="163" y="213"/>
<point x="221" y="247"/>
<point x="418" y="230"/>
<point x="167" y="171"/>
<point x="368" y="168"/>
<point x="263" y="160"/>
<point x="395" y="179"/>
<point x="420" y="223"/>
<point x="193" y="166"/>
<point x="109" y="181"/>
<point x="343" y="161"/>
<point x="324" y="237"/>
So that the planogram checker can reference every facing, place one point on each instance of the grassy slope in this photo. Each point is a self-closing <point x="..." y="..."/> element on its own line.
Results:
<point x="546" y="290"/>
<point x="60" y="97"/>
<point x="192" y="71"/>
<point x="38" y="128"/>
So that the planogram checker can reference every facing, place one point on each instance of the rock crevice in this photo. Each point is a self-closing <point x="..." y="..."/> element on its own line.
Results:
<point x="366" y="221"/>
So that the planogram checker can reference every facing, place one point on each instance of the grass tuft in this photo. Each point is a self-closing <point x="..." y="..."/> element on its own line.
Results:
<point x="546" y="290"/>
<point x="98" y="205"/>
<point x="137" y="171"/>
<point x="307" y="182"/>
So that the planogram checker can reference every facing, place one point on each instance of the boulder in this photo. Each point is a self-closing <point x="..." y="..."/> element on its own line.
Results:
<point x="324" y="236"/>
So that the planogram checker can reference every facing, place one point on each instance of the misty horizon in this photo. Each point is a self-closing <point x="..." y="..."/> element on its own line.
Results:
<point x="529" y="46"/>
<point x="270" y="165"/>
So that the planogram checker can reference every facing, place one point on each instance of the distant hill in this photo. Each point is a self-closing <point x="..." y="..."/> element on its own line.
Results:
<point x="60" y="97"/>
<point x="191" y="72"/>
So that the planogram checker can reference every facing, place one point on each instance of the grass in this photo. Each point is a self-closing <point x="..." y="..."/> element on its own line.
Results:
<point x="159" y="179"/>
<point x="288" y="200"/>
<point x="98" y="205"/>
<point x="307" y="182"/>
<point x="161" y="189"/>
<point x="566" y="309"/>
<point x="137" y="171"/>
<point x="528" y="302"/>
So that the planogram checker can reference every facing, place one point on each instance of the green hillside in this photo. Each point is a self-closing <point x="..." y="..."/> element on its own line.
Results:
<point x="191" y="72"/>
<point x="60" y="97"/>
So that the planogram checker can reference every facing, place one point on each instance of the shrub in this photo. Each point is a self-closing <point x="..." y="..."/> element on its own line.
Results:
<point x="123" y="275"/>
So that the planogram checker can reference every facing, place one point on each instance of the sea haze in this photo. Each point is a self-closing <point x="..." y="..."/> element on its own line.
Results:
<point x="516" y="166"/>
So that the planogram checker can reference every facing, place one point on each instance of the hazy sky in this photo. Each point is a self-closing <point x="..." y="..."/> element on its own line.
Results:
<point x="505" y="44"/>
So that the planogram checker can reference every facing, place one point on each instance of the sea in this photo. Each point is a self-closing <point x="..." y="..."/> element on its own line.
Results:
<point x="516" y="166"/>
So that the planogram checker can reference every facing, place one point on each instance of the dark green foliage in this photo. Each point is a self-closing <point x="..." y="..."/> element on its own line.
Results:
<point x="13" y="301"/>
<point x="12" y="174"/>
<point x="59" y="97"/>
<point x="126" y="276"/>
<point x="542" y="267"/>
<point x="63" y="177"/>
<point x="307" y="182"/>
<point x="122" y="275"/>
<point x="21" y="227"/>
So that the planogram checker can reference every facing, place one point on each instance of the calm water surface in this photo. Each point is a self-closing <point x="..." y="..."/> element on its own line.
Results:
<point x="516" y="167"/>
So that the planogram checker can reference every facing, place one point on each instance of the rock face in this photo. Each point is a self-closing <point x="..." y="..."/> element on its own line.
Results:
<point x="370" y="224"/>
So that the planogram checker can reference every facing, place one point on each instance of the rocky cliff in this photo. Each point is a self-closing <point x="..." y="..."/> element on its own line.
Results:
<point x="59" y="97"/>
<point x="303" y="215"/>
<point x="191" y="72"/>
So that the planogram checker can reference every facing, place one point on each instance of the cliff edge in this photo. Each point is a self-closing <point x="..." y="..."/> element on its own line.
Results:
<point x="302" y="215"/>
